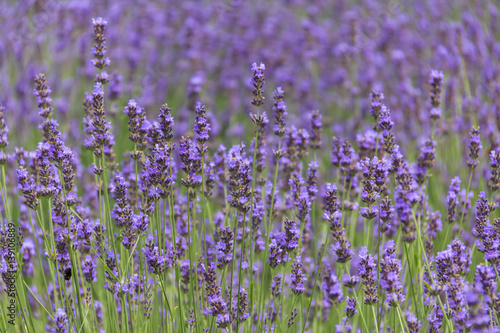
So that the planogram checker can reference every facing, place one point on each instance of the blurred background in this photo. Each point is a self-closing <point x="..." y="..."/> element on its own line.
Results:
<point x="327" y="55"/>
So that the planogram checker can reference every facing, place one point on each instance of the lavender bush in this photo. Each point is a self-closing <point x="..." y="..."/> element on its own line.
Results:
<point x="348" y="182"/>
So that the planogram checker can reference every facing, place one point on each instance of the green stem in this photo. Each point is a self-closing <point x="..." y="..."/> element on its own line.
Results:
<point x="315" y="282"/>
<point x="465" y="202"/>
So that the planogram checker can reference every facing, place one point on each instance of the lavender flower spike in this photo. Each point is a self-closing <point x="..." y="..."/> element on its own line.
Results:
<point x="99" y="50"/>
<point x="436" y="82"/>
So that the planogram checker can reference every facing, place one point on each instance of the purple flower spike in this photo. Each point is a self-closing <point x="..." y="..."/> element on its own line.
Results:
<point x="390" y="276"/>
<point x="377" y="99"/>
<point x="452" y="199"/>
<point x="331" y="288"/>
<point x="136" y="119"/>
<point x="494" y="181"/>
<point x="367" y="271"/>
<point x="99" y="50"/>
<point x="316" y="130"/>
<point x="475" y="148"/>
<point x="298" y="278"/>
<point x="436" y="81"/>
<point x="4" y="130"/>
<point x="279" y="112"/>
<point x="257" y="82"/>
<point x="225" y="247"/>
<point x="201" y="128"/>
<point x="60" y="322"/>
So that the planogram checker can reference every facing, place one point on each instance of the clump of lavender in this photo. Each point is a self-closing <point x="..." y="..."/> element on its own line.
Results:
<point x="73" y="228"/>
<point x="436" y="82"/>
<point x="453" y="262"/>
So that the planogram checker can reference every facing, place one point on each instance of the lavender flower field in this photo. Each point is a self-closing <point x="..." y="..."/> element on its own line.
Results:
<point x="260" y="166"/>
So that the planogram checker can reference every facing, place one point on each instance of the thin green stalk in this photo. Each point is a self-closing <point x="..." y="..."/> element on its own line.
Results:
<point x="465" y="201"/>
<point x="239" y="272"/>
<point x="268" y="230"/>
<point x="192" y="289"/>
<point x="411" y="278"/>
<point x="315" y="282"/>
<point x="38" y="301"/>
<point x="165" y="295"/>
<point x="280" y="303"/>
<point x="290" y="309"/>
<point x="203" y="231"/>
<point x="234" y="257"/>
<point x="374" y="317"/>
<point x="379" y="309"/>
<point x="404" y="326"/>
<point x="254" y="169"/>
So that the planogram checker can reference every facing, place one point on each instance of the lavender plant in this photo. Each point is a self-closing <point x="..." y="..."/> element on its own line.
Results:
<point x="142" y="220"/>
